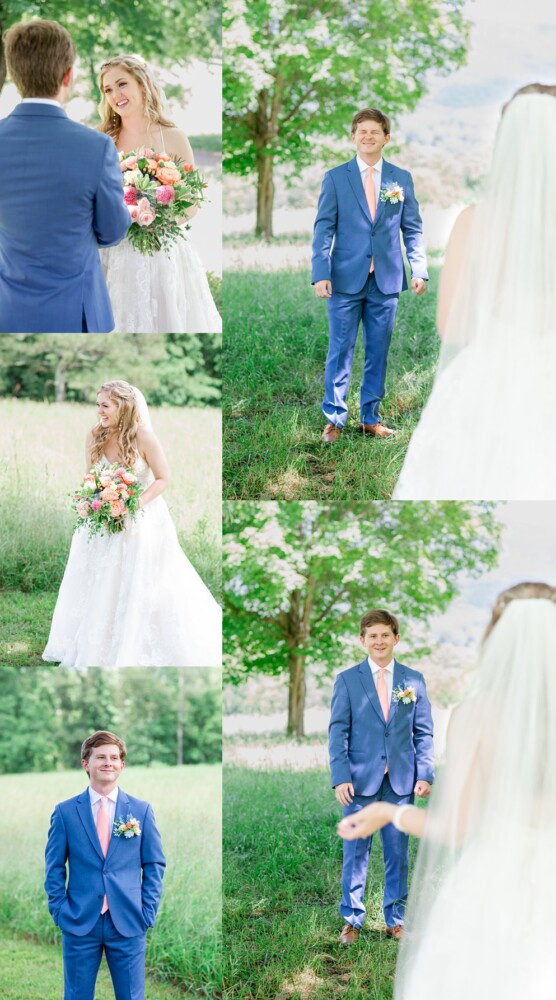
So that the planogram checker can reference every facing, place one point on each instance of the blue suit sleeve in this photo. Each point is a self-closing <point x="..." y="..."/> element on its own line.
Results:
<point x="423" y="736"/>
<point x="338" y="733"/>
<point x="111" y="218"/>
<point x="324" y="231"/>
<point x="56" y="856"/>
<point x="153" y="864"/>
<point x="412" y="230"/>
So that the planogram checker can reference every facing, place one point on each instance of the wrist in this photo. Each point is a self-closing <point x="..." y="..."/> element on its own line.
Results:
<point x="397" y="817"/>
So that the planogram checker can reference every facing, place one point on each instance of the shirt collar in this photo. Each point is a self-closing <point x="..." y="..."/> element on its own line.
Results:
<point x="95" y="796"/>
<point x="41" y="100"/>
<point x="365" y="166"/>
<point x="375" y="667"/>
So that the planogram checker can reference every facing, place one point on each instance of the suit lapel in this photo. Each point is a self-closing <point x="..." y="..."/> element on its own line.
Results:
<point x="397" y="681"/>
<point x="85" y="814"/>
<point x="354" y="175"/>
<point x="122" y="803"/>
<point x="385" y="178"/>
<point x="370" y="689"/>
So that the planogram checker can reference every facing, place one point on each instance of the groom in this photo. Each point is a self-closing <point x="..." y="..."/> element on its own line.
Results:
<point x="364" y="205"/>
<point x="61" y="195"/>
<point x="381" y="750"/>
<point x="116" y="865"/>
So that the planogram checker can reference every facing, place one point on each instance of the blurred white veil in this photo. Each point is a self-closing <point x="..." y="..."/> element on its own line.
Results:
<point x="142" y="408"/>
<point x="481" y="919"/>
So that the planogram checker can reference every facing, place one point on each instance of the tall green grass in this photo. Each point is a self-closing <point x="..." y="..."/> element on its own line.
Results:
<point x="282" y="872"/>
<point x="184" y="947"/>
<point x="274" y="354"/>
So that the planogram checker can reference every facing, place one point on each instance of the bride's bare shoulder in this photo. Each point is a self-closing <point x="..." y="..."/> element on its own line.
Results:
<point x="177" y="144"/>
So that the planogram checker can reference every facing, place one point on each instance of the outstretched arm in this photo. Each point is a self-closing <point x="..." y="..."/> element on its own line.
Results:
<point x="453" y="262"/>
<point x="372" y="818"/>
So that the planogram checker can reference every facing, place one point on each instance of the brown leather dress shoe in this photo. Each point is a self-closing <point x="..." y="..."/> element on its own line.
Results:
<point x="395" y="932"/>
<point x="349" y="934"/>
<point x="331" y="433"/>
<point x="376" y="430"/>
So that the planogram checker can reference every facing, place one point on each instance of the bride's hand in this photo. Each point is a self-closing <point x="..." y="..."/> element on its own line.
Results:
<point x="366" y="821"/>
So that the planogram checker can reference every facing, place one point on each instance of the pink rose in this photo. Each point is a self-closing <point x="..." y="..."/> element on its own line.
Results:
<point x="134" y="212"/>
<point x="146" y="214"/>
<point x="120" y="472"/>
<point x="163" y="157"/>
<point x="165" y="194"/>
<point x="168" y="175"/>
<point x="130" y="195"/>
<point x="130" y="163"/>
<point x="96" y="505"/>
<point x="128" y="478"/>
<point x="149" y="153"/>
<point x="83" y="509"/>
<point x="117" y="507"/>
<point x="105" y="480"/>
<point x="108" y="494"/>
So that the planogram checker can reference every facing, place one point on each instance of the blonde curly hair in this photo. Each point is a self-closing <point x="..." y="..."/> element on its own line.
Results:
<point x="519" y="592"/>
<point x="110" y="120"/>
<point x="128" y="419"/>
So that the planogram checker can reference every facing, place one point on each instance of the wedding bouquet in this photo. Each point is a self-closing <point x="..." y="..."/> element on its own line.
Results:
<point x="157" y="191"/>
<point x="107" y="495"/>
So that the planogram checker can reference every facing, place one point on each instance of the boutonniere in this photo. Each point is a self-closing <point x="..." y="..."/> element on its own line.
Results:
<point x="406" y="695"/>
<point x="392" y="193"/>
<point x="128" y="829"/>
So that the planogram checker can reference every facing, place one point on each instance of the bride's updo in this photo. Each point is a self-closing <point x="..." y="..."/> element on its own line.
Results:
<point x="154" y="99"/>
<point x="128" y="419"/>
<point x="519" y="592"/>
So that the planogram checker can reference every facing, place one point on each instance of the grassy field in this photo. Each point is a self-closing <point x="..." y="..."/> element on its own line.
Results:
<point x="184" y="948"/>
<point x="274" y="355"/>
<point x="282" y="871"/>
<point x="42" y="449"/>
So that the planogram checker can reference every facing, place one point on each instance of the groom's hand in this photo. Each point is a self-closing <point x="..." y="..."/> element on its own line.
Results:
<point x="422" y="789"/>
<point x="418" y="285"/>
<point x="323" y="289"/>
<point x="344" y="793"/>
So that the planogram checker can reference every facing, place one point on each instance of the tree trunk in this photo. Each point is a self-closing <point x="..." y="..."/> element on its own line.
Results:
<point x="296" y="695"/>
<point x="265" y="194"/>
<point x="60" y="381"/>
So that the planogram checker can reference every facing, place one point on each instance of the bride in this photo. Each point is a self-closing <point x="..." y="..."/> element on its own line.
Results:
<point x="488" y="428"/>
<point x="132" y="599"/>
<point x="481" y="918"/>
<point x="167" y="292"/>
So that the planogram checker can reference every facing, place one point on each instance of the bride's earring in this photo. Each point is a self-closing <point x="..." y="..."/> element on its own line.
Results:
<point x="114" y="118"/>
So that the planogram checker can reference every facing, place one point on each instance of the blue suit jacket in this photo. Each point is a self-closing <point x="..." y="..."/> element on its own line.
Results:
<point x="361" y="742"/>
<point x="130" y="875"/>
<point x="61" y="198"/>
<point x="343" y="217"/>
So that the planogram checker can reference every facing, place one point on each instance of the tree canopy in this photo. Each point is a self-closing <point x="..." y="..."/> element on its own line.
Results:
<point x="295" y="72"/>
<point x="298" y="576"/>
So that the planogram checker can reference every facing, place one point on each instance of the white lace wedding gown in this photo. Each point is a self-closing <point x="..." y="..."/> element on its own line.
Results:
<point x="133" y="599"/>
<point x="167" y="292"/>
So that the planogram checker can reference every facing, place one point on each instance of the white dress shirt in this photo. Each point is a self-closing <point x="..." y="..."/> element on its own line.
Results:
<point x="41" y="100"/>
<point x="388" y="675"/>
<point x="377" y="175"/>
<point x="110" y="804"/>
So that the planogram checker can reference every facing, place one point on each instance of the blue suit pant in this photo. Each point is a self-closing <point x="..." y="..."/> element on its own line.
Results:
<point x="377" y="313"/>
<point x="395" y="847"/>
<point x="125" y="957"/>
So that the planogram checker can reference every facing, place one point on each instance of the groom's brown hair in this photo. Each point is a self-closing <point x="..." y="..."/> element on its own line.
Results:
<point x="38" y="55"/>
<point x="100" y="739"/>
<point x="373" y="115"/>
<point x="379" y="616"/>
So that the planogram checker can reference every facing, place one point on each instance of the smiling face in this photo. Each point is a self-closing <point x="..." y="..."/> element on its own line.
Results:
<point x="369" y="140"/>
<point x="122" y="91"/>
<point x="107" y="410"/>
<point x="379" y="641"/>
<point x="104" y="767"/>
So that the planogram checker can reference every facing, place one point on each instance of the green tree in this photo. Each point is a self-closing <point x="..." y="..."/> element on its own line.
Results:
<point x="295" y="71"/>
<point x="169" y="32"/>
<point x="298" y="577"/>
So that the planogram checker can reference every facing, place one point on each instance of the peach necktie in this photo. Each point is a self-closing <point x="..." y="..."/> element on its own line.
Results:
<point x="370" y="192"/>
<point x="103" y="831"/>
<point x="382" y="692"/>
